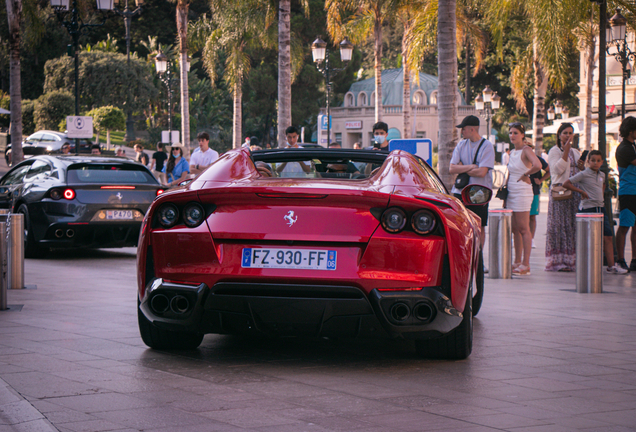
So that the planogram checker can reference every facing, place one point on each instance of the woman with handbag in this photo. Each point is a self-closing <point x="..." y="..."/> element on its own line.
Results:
<point x="523" y="162"/>
<point x="564" y="162"/>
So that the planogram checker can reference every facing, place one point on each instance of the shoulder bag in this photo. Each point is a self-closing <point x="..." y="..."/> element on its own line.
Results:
<point x="462" y="180"/>
<point x="559" y="193"/>
<point x="502" y="193"/>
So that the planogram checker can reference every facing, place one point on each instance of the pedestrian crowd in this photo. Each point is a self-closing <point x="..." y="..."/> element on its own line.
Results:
<point x="577" y="186"/>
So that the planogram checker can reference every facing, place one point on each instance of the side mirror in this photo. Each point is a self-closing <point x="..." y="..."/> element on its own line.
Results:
<point x="476" y="195"/>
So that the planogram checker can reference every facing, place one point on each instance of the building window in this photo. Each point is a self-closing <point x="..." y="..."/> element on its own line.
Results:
<point x="362" y="99"/>
<point x="349" y="100"/>
<point x="419" y="98"/>
<point x="339" y="138"/>
<point x="372" y="101"/>
<point x="420" y="134"/>
<point x="434" y="98"/>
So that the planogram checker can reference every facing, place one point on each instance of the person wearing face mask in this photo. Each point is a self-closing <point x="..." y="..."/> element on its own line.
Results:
<point x="380" y="132"/>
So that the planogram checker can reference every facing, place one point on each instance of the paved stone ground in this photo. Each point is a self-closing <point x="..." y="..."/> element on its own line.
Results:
<point x="545" y="358"/>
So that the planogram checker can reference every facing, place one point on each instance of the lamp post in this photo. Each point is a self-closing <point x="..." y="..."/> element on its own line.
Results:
<point x="320" y="53"/>
<point x="487" y="103"/>
<point x="70" y="18"/>
<point x="558" y="109"/>
<point x="617" y="38"/>
<point x="164" y="70"/>
<point x="128" y="15"/>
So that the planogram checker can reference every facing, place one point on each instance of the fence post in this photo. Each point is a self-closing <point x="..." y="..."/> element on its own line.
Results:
<point x="589" y="253"/>
<point x="500" y="244"/>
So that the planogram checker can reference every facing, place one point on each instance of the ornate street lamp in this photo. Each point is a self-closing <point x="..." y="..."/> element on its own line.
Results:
<point x="71" y="19"/>
<point x="487" y="102"/>
<point x="617" y="38"/>
<point x="320" y="53"/>
<point x="164" y="70"/>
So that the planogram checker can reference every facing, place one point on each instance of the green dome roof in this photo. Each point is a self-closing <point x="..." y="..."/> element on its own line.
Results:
<point x="392" y="85"/>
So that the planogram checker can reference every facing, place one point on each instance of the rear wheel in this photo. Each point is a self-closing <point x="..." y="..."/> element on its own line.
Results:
<point x="455" y="345"/>
<point x="163" y="339"/>
<point x="31" y="248"/>
<point x="478" y="295"/>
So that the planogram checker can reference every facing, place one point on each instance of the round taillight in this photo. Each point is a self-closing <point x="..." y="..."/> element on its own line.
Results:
<point x="193" y="215"/>
<point x="168" y="215"/>
<point x="69" y="194"/>
<point x="393" y="220"/>
<point x="423" y="222"/>
<point x="55" y="194"/>
<point x="160" y="191"/>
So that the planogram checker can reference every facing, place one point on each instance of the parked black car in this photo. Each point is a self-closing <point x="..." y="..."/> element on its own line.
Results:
<point x="47" y="142"/>
<point x="78" y="201"/>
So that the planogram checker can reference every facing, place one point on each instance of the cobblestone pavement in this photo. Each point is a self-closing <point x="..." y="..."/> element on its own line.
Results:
<point x="545" y="358"/>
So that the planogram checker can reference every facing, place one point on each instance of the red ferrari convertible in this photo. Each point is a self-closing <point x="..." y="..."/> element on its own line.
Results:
<point x="312" y="242"/>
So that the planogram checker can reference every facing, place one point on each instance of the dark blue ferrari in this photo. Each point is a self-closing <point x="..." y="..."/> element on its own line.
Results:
<point x="79" y="201"/>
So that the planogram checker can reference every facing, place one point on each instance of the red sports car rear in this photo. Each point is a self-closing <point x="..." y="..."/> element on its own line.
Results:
<point x="381" y="253"/>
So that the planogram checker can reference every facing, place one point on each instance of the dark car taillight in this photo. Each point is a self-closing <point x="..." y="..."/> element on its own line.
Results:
<point x="55" y="194"/>
<point x="193" y="215"/>
<point x="168" y="215"/>
<point x="393" y="220"/>
<point x="423" y="222"/>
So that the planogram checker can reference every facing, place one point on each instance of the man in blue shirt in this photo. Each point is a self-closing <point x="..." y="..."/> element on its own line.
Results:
<point x="626" y="161"/>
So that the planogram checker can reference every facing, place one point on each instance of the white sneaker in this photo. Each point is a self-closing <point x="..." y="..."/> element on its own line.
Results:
<point x="534" y="246"/>
<point x="616" y="270"/>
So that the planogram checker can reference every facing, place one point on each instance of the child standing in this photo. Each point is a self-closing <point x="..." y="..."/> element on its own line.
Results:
<point x="592" y="182"/>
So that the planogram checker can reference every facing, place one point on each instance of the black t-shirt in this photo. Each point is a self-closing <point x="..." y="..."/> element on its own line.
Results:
<point x="536" y="188"/>
<point x="160" y="157"/>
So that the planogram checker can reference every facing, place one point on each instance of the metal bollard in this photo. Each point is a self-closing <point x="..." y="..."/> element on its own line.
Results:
<point x="500" y="244"/>
<point x="15" y="267"/>
<point x="589" y="253"/>
<point x="3" y="266"/>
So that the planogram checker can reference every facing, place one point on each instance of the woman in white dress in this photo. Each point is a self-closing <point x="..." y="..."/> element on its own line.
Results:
<point x="523" y="162"/>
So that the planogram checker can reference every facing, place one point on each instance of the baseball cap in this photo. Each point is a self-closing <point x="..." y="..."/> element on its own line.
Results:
<point x="470" y="120"/>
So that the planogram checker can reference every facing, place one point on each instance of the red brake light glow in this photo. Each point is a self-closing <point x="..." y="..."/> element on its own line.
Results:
<point x="118" y="187"/>
<point x="399" y="289"/>
<point x="159" y="191"/>
<point x="69" y="194"/>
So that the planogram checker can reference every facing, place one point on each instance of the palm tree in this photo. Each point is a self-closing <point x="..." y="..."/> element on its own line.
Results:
<point x="233" y="29"/>
<point x="447" y="87"/>
<point x="14" y="17"/>
<point x="359" y="19"/>
<point x="182" y="29"/>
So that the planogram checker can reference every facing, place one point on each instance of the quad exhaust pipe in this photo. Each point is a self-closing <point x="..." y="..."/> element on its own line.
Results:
<point x="423" y="311"/>
<point x="70" y="233"/>
<point x="400" y="311"/>
<point x="160" y="303"/>
<point x="59" y="233"/>
<point x="179" y="304"/>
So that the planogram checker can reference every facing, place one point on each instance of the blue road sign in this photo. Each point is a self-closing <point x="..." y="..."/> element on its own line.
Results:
<point x="422" y="147"/>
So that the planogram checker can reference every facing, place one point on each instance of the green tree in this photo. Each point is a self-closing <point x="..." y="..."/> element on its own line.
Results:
<point x="28" y="120"/>
<point x="233" y="29"/>
<point x="53" y="107"/>
<point x="104" y="79"/>
<point x="107" y="118"/>
<point x="359" y="20"/>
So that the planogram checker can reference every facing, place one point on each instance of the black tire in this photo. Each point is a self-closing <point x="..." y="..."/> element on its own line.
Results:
<point x="455" y="345"/>
<point x="478" y="297"/>
<point x="31" y="247"/>
<point x="157" y="338"/>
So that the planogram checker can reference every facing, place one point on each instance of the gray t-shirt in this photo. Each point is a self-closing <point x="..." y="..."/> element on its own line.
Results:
<point x="592" y="183"/>
<point x="465" y="153"/>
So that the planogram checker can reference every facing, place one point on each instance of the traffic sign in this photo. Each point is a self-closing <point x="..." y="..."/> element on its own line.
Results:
<point x="422" y="147"/>
<point x="79" y="127"/>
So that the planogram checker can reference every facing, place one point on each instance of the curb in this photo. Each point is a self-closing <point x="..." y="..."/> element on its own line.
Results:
<point x="18" y="414"/>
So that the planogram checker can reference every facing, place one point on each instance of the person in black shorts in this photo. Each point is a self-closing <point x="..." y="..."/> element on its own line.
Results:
<point x="158" y="159"/>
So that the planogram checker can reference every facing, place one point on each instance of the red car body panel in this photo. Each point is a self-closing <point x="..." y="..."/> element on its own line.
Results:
<point x="337" y="214"/>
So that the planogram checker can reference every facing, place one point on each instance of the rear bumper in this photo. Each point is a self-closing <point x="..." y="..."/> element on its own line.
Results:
<point x="298" y="310"/>
<point x="103" y="235"/>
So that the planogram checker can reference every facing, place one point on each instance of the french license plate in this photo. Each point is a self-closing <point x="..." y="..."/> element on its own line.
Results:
<point x="119" y="214"/>
<point x="308" y="259"/>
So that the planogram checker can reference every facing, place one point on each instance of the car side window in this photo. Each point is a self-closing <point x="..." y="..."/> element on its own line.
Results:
<point x="48" y="138"/>
<point x="16" y="175"/>
<point x="38" y="169"/>
<point x="34" y="138"/>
